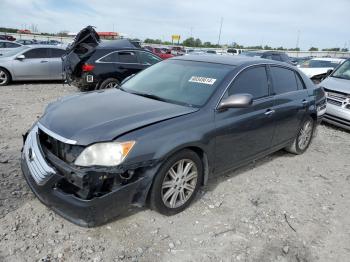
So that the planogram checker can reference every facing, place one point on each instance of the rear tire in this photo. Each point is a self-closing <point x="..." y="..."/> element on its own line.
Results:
<point x="177" y="183"/>
<point x="5" y="77"/>
<point x="109" y="83"/>
<point x="303" y="140"/>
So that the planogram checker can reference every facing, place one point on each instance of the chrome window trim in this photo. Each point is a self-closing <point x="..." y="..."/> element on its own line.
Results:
<point x="98" y="61"/>
<point x="233" y="79"/>
<point x="56" y="136"/>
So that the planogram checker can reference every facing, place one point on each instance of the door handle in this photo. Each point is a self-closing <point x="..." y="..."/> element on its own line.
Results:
<point x="269" y="112"/>
<point x="44" y="61"/>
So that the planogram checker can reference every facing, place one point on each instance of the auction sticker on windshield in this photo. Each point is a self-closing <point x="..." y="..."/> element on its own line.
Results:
<point x="202" y="80"/>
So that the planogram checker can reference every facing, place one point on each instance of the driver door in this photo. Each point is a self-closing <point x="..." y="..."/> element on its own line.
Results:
<point x="35" y="65"/>
<point x="243" y="133"/>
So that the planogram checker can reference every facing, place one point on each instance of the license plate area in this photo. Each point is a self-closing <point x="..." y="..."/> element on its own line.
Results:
<point x="89" y="78"/>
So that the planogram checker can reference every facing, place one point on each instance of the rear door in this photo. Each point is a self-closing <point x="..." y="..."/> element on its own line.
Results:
<point x="290" y="103"/>
<point x="128" y="63"/>
<point x="245" y="132"/>
<point x="55" y="63"/>
<point x="35" y="65"/>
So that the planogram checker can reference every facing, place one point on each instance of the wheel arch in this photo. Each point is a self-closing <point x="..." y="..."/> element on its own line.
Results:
<point x="8" y="71"/>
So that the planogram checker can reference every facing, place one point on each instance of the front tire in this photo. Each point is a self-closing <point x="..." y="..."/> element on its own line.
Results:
<point x="5" y="77"/>
<point x="177" y="183"/>
<point x="304" y="137"/>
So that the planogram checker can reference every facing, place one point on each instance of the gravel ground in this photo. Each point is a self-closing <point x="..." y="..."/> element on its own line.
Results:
<point x="280" y="208"/>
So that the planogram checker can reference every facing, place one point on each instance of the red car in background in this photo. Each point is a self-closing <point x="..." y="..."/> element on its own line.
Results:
<point x="159" y="52"/>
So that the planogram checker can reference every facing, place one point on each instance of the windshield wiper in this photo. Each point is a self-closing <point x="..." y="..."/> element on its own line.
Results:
<point x="155" y="97"/>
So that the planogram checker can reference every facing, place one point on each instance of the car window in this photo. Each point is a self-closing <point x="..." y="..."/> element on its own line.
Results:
<point x="276" y="57"/>
<point x="11" y="45"/>
<point x="284" y="80"/>
<point x="251" y="81"/>
<point x="127" y="57"/>
<point x="37" y="53"/>
<point x="147" y="58"/>
<point x="300" y="82"/>
<point x="55" y="52"/>
<point x="110" y="58"/>
<point x="343" y="71"/>
<point x="2" y="44"/>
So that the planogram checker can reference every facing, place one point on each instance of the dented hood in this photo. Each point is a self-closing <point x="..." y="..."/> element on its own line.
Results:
<point x="104" y="115"/>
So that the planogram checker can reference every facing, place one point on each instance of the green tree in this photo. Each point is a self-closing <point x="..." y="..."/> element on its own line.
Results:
<point x="189" y="42"/>
<point x="313" y="49"/>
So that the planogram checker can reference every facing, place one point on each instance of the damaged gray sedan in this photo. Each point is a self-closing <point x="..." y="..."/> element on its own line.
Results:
<point x="160" y="136"/>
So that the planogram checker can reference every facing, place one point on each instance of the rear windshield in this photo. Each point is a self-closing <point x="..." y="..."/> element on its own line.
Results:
<point x="181" y="82"/>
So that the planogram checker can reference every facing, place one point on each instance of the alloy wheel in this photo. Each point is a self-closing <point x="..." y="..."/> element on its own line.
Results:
<point x="112" y="85"/>
<point x="305" y="135"/>
<point x="3" y="77"/>
<point x="179" y="183"/>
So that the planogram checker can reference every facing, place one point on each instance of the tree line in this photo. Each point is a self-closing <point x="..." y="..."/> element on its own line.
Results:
<point x="192" y="42"/>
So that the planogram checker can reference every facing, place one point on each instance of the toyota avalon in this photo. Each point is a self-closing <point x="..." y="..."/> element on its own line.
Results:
<point x="164" y="132"/>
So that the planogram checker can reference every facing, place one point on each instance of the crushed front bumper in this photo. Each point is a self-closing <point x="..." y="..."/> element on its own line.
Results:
<point x="45" y="180"/>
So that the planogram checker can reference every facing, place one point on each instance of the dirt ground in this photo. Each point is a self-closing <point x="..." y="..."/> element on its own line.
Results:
<point x="280" y="208"/>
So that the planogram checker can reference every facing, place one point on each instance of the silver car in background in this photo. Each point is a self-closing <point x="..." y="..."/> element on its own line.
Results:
<point x="36" y="62"/>
<point x="337" y="87"/>
<point x="6" y="46"/>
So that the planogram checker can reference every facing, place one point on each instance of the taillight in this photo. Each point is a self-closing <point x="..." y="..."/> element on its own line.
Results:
<point x="87" y="67"/>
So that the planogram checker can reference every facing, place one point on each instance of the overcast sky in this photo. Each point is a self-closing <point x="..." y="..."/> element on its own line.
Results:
<point x="249" y="22"/>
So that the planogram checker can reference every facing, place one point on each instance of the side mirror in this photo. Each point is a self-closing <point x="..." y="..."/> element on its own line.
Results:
<point x="20" y="57"/>
<point x="236" y="101"/>
<point x="127" y="78"/>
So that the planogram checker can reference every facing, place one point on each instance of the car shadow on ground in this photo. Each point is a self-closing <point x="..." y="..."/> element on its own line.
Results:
<point x="334" y="127"/>
<point x="214" y="181"/>
<point x="36" y="82"/>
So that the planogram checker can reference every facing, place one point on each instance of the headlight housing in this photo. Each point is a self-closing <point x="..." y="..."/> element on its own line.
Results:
<point x="104" y="154"/>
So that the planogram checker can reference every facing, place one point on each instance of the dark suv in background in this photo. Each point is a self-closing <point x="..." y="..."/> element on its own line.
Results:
<point x="92" y="64"/>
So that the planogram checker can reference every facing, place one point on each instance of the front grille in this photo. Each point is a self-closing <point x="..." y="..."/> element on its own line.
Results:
<point x="334" y="102"/>
<point x="37" y="165"/>
<point x="338" y="98"/>
<point x="63" y="151"/>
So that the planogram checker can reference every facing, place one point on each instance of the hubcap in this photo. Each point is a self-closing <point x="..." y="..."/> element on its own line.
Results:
<point x="305" y="135"/>
<point x="179" y="183"/>
<point x="3" y="77"/>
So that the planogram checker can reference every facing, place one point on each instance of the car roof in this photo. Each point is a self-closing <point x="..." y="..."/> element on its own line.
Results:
<point x="7" y="41"/>
<point x="329" y="59"/>
<point x="116" y="44"/>
<point x="45" y="46"/>
<point x="228" y="59"/>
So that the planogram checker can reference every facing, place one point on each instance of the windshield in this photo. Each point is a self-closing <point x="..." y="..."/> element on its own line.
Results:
<point x="319" y="64"/>
<point x="14" y="51"/>
<point x="343" y="71"/>
<point x="181" y="82"/>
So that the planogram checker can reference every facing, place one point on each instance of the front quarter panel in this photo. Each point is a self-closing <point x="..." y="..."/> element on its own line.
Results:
<point x="157" y="142"/>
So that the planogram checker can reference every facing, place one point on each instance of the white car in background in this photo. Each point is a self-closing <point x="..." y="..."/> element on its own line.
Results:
<point x="6" y="46"/>
<point x="316" y="69"/>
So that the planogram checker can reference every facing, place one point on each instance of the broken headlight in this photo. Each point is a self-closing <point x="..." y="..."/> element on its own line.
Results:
<point x="104" y="154"/>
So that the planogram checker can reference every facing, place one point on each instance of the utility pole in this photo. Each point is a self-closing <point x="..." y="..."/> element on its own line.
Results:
<point x="191" y="31"/>
<point x="220" y="30"/>
<point x="298" y="36"/>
